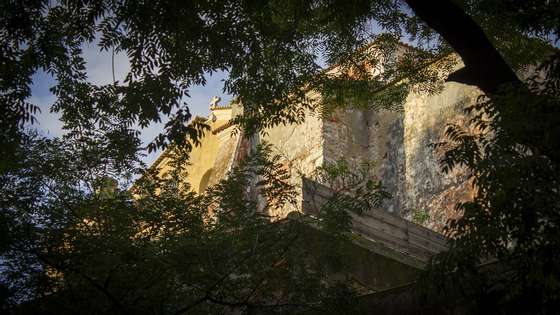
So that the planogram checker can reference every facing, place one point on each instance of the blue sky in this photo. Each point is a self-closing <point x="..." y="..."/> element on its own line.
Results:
<point x="99" y="72"/>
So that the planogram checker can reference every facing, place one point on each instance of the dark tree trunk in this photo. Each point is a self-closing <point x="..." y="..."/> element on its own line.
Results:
<point x="536" y="126"/>
<point x="484" y="66"/>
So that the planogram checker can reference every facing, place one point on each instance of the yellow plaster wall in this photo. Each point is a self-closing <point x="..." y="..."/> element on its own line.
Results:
<point x="202" y="170"/>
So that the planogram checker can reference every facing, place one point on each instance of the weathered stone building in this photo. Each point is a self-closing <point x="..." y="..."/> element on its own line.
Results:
<point x="390" y="245"/>
<point x="397" y="143"/>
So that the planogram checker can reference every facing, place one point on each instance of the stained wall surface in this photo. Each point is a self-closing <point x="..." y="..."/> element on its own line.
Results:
<point x="427" y="187"/>
<point x="397" y="143"/>
<point x="301" y="147"/>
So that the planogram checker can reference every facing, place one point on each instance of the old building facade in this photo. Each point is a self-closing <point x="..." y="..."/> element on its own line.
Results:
<point x="397" y="143"/>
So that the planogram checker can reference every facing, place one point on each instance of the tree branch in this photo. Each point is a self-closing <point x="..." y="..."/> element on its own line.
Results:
<point x="90" y="280"/>
<point x="484" y="66"/>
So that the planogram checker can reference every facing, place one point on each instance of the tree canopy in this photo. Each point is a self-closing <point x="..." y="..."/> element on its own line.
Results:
<point x="273" y="52"/>
<point x="80" y="243"/>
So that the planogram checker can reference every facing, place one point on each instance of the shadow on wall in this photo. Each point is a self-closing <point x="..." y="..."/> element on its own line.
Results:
<point x="204" y="181"/>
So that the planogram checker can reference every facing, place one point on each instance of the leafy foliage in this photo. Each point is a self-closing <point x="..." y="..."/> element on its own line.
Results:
<point x="271" y="50"/>
<point x="514" y="216"/>
<point x="419" y="216"/>
<point x="354" y="191"/>
<point x="83" y="245"/>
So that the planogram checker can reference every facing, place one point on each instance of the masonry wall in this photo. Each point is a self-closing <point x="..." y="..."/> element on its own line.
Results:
<point x="396" y="143"/>
<point x="374" y="137"/>
<point x="345" y="134"/>
<point x="427" y="187"/>
<point x="399" y="145"/>
<point x="387" y="152"/>
<point x="301" y="149"/>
